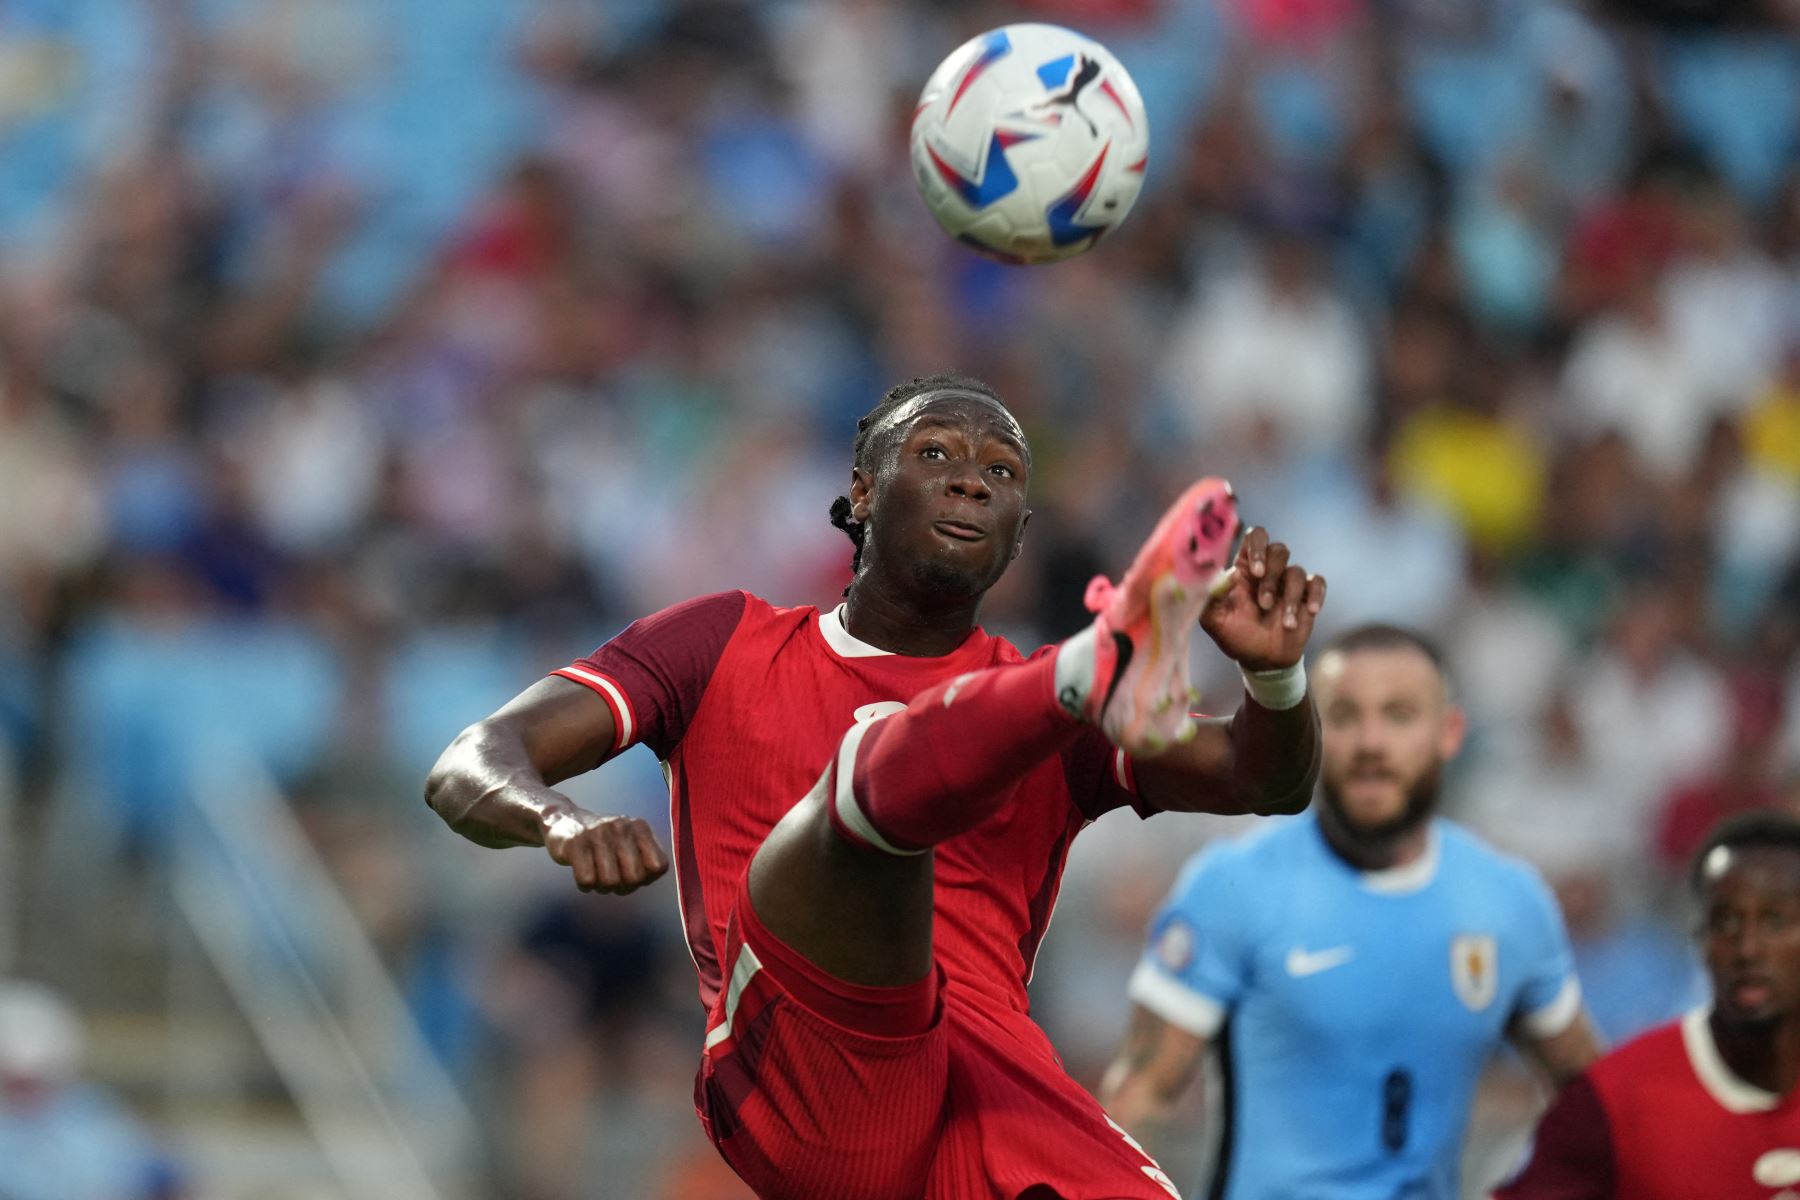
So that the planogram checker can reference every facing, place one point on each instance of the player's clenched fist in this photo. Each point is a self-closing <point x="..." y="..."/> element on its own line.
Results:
<point x="606" y="854"/>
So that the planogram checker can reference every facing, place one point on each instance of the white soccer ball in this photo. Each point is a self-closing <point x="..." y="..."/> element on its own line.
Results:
<point x="1029" y="143"/>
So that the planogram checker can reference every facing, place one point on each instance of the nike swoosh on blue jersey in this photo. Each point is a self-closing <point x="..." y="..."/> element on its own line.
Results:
<point x="1303" y="962"/>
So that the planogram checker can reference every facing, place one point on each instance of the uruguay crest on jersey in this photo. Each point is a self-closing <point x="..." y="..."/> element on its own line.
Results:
<point x="1475" y="969"/>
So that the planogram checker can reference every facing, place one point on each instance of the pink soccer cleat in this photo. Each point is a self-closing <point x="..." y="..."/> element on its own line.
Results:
<point x="1141" y="691"/>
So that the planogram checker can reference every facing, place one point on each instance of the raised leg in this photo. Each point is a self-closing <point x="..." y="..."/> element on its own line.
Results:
<point x="845" y="878"/>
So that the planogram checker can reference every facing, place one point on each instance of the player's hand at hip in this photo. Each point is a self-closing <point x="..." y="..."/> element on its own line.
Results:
<point x="606" y="854"/>
<point x="1262" y="620"/>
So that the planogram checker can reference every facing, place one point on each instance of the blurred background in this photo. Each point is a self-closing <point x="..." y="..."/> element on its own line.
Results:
<point x="363" y="360"/>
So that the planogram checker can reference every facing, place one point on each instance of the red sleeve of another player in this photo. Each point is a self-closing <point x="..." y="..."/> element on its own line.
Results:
<point x="1573" y="1155"/>
<point x="654" y="672"/>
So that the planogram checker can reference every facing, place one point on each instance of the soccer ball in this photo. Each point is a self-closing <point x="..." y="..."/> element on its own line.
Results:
<point x="1029" y="143"/>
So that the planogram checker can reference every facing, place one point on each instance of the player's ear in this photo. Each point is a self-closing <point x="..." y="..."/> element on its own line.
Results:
<point x="1455" y="728"/>
<point x="1019" y="542"/>
<point x="861" y="486"/>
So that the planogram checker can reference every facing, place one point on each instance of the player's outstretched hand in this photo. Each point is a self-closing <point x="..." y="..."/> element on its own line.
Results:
<point x="606" y="854"/>
<point x="1262" y="620"/>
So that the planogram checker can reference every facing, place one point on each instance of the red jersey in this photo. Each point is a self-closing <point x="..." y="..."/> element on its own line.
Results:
<point x="1663" y="1118"/>
<point x="745" y="703"/>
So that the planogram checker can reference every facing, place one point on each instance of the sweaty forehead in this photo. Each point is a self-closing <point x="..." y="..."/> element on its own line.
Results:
<point x="953" y="406"/>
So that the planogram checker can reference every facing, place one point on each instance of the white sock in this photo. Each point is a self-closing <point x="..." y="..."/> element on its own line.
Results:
<point x="1075" y="672"/>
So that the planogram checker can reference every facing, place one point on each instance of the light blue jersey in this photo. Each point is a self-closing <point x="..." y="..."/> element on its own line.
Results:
<point x="1358" y="1008"/>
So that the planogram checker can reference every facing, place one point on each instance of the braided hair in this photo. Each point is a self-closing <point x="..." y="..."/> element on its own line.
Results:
<point x="863" y="452"/>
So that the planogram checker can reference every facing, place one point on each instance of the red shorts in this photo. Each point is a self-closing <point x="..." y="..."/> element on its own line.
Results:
<point x="971" y="1106"/>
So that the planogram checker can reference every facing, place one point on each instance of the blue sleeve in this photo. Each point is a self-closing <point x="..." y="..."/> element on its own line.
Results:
<point x="1196" y="963"/>
<point x="1549" y="997"/>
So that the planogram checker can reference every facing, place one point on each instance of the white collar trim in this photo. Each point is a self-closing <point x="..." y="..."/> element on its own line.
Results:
<point x="1716" y="1077"/>
<point x="839" y="638"/>
<point x="1410" y="877"/>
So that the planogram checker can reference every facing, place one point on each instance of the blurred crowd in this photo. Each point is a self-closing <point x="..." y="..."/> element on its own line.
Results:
<point x="360" y="361"/>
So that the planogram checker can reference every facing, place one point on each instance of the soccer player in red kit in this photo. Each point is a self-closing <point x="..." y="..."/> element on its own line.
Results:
<point x="872" y="806"/>
<point x="1705" y="1108"/>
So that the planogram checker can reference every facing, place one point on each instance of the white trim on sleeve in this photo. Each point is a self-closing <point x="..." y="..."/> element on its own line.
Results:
<point x="1175" y="1002"/>
<point x="1556" y="1016"/>
<point x="613" y="694"/>
<point x="1122" y="771"/>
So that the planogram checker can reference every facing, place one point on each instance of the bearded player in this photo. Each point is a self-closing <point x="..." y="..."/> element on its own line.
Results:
<point x="1357" y="967"/>
<point x="1705" y="1106"/>
<point x="872" y="806"/>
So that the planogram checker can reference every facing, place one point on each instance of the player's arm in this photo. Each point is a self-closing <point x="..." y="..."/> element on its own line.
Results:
<point x="1262" y="761"/>
<point x="1562" y="1055"/>
<point x="1572" y="1154"/>
<point x="1549" y="1024"/>
<point x="494" y="785"/>
<point x="1155" y="1065"/>
<point x="1265" y="759"/>
<point x="1194" y="970"/>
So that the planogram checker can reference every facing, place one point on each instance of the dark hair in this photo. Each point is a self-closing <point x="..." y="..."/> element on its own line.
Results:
<point x="1764" y="829"/>
<point x="1379" y="636"/>
<point x="863" y="452"/>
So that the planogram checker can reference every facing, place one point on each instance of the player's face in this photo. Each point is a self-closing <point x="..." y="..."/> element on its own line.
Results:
<point x="1388" y="731"/>
<point x="946" y="504"/>
<point x="1751" y="933"/>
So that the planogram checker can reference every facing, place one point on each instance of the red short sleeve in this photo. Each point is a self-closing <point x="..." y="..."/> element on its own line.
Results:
<point x="654" y="673"/>
<point x="1099" y="777"/>
<point x="1572" y="1158"/>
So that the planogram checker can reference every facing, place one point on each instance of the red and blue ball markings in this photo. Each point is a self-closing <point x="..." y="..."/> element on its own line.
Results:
<point x="1065" y="230"/>
<point x="1111" y="93"/>
<point x="995" y="178"/>
<point x="994" y="46"/>
<point x="1055" y="73"/>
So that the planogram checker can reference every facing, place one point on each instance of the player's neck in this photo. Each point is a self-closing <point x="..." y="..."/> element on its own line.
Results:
<point x="1768" y="1058"/>
<point x="902" y="624"/>
<point x="1374" y="853"/>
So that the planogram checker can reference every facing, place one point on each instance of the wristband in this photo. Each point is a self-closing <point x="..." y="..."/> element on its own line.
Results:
<point x="1279" y="689"/>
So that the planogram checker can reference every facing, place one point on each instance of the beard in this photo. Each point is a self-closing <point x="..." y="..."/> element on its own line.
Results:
<point x="1372" y="841"/>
